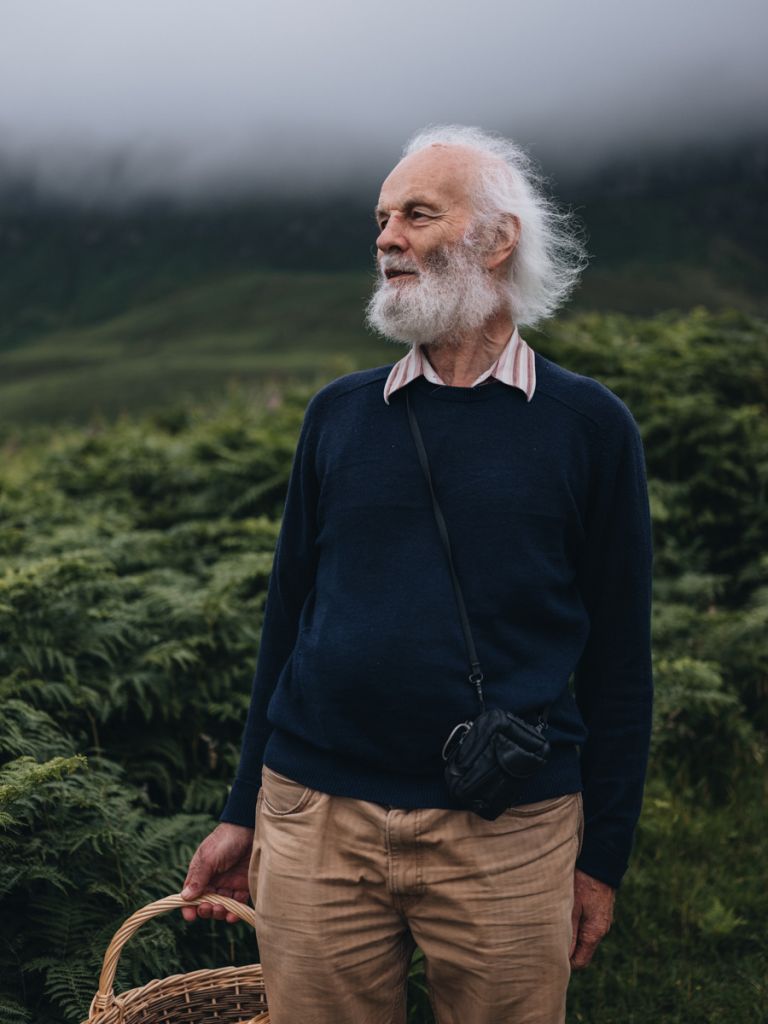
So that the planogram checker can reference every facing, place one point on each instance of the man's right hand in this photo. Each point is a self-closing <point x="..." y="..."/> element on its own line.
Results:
<point x="220" y="864"/>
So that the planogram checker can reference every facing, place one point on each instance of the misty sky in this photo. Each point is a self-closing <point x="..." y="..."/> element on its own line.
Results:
<point x="126" y="97"/>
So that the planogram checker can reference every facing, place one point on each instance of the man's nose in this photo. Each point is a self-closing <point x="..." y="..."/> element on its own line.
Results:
<point x="391" y="237"/>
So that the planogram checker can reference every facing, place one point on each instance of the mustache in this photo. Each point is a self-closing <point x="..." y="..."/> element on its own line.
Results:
<point x="394" y="261"/>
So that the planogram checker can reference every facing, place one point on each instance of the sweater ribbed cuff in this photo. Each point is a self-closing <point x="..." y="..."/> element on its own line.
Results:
<point x="240" y="808"/>
<point x="604" y="865"/>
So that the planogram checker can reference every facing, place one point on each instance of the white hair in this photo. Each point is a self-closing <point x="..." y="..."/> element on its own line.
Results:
<point x="550" y="254"/>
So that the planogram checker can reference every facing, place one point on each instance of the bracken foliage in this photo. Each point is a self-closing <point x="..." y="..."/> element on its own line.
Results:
<point x="134" y="558"/>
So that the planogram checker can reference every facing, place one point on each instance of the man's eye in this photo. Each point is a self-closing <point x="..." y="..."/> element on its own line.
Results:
<point x="418" y="214"/>
<point x="382" y="223"/>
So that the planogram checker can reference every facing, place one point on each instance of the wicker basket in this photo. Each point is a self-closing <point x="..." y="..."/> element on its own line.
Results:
<point x="229" y="995"/>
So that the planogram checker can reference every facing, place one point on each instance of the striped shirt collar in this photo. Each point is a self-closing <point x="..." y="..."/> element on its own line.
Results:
<point x="515" y="366"/>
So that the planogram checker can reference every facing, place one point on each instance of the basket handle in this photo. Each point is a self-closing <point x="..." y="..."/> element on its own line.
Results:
<point x="105" y="995"/>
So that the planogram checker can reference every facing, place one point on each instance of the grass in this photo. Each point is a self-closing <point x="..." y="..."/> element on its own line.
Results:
<point x="690" y="941"/>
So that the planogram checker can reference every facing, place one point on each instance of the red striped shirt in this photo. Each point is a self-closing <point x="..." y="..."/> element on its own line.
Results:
<point x="515" y="366"/>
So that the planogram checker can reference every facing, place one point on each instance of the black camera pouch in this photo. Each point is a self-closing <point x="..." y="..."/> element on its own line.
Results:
<point x="487" y="758"/>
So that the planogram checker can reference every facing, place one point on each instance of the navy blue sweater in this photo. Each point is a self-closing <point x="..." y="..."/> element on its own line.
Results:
<point x="362" y="669"/>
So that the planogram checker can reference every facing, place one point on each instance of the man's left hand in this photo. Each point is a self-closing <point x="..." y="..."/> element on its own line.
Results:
<point x="592" y="916"/>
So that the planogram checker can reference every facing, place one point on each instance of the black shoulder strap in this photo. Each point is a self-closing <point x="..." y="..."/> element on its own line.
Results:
<point x="475" y="672"/>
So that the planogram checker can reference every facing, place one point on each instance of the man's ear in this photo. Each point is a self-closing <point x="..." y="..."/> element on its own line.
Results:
<point x="505" y="239"/>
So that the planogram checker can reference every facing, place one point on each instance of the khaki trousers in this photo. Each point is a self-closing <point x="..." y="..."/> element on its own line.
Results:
<point x="345" y="889"/>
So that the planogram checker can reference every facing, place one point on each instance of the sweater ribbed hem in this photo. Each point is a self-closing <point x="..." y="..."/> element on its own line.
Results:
<point x="330" y="773"/>
<point x="321" y="770"/>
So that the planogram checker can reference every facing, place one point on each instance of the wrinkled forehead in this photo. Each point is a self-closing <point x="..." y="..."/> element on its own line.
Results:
<point x="445" y="174"/>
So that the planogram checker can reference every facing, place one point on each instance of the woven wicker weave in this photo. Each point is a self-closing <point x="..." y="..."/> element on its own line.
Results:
<point x="228" y="995"/>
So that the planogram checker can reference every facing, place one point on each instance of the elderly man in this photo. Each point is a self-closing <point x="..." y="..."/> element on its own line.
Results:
<point x="360" y="849"/>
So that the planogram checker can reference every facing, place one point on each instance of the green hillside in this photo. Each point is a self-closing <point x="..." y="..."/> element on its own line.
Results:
<point x="662" y="233"/>
<point x="257" y="327"/>
<point x="253" y="328"/>
<point x="109" y="310"/>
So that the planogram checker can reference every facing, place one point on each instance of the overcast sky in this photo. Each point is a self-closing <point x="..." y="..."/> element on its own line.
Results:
<point x="178" y="96"/>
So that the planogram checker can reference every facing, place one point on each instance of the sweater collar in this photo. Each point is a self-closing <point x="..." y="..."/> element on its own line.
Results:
<point x="515" y="366"/>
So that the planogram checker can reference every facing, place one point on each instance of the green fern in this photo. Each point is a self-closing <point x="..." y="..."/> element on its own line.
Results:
<point x="135" y="560"/>
<point x="12" y="1012"/>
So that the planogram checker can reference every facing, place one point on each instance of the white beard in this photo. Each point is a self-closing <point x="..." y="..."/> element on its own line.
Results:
<point x="453" y="295"/>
